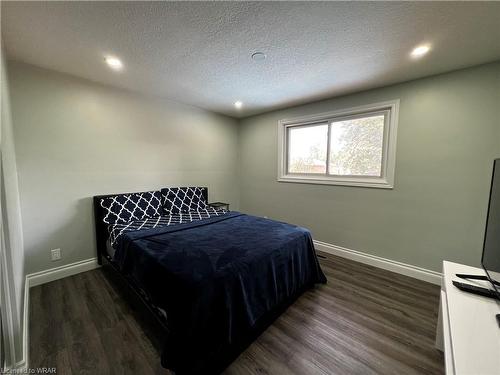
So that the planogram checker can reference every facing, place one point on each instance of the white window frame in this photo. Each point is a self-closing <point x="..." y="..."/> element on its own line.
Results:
<point x="385" y="181"/>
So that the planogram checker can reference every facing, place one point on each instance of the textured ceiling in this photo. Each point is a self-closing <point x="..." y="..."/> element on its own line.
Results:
<point x="199" y="53"/>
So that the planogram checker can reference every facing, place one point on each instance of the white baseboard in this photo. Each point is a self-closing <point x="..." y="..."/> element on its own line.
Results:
<point x="57" y="273"/>
<point x="384" y="263"/>
<point x="42" y="277"/>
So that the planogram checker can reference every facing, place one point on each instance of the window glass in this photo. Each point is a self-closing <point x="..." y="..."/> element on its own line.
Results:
<point x="307" y="149"/>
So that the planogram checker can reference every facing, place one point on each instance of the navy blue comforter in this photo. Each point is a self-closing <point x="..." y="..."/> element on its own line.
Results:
<point x="221" y="281"/>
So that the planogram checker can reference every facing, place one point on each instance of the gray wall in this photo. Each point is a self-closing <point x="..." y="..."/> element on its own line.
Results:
<point x="11" y="252"/>
<point x="75" y="139"/>
<point x="448" y="136"/>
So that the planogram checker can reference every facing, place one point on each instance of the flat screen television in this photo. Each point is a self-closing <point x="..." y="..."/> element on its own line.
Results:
<point x="491" y="247"/>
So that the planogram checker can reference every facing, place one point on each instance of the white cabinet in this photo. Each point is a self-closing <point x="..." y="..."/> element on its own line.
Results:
<point x="468" y="331"/>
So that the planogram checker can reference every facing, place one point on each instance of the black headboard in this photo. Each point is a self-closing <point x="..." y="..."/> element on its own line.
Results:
<point x="101" y="230"/>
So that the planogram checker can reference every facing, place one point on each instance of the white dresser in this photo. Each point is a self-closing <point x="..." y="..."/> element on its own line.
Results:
<point x="468" y="331"/>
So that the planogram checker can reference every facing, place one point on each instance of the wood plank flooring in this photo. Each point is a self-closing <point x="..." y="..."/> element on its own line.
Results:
<point x="364" y="321"/>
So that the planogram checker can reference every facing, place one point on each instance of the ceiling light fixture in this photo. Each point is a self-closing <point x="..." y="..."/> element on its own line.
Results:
<point x="259" y="56"/>
<point x="238" y="104"/>
<point x="114" y="62"/>
<point x="420" y="51"/>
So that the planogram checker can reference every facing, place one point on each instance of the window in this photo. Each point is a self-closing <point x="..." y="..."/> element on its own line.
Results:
<point x="354" y="147"/>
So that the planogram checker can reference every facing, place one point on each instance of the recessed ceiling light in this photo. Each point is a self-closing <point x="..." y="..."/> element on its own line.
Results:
<point x="114" y="62"/>
<point x="420" y="51"/>
<point x="259" y="56"/>
<point x="238" y="104"/>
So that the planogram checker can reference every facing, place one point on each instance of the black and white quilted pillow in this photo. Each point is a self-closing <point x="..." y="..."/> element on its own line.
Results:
<point x="135" y="206"/>
<point x="182" y="199"/>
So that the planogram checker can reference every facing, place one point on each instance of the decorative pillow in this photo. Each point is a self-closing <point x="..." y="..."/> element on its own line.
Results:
<point x="182" y="199"/>
<point x="135" y="206"/>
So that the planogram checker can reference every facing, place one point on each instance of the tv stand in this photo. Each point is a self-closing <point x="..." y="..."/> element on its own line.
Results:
<point x="468" y="332"/>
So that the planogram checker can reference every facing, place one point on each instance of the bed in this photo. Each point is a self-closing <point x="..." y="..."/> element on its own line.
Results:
<point x="214" y="279"/>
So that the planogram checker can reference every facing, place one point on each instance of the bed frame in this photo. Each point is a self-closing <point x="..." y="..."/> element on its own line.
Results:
<point x="157" y="323"/>
<point x="138" y="297"/>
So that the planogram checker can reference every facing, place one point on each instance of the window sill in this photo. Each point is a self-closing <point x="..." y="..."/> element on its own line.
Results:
<point x="379" y="183"/>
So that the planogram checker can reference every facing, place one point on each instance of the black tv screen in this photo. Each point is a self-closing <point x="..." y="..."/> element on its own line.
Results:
<point x="491" y="248"/>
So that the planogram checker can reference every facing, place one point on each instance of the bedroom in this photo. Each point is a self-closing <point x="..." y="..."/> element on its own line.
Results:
<point x="256" y="106"/>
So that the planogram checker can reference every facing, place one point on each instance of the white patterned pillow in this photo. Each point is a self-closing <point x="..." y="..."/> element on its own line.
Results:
<point x="128" y="207"/>
<point x="182" y="199"/>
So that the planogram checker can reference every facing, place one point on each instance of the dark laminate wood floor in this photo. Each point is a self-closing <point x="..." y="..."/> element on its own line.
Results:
<point x="365" y="320"/>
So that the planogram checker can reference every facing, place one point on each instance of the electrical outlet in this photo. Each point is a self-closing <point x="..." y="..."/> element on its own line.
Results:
<point x="55" y="254"/>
